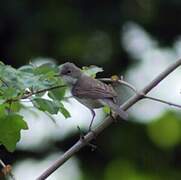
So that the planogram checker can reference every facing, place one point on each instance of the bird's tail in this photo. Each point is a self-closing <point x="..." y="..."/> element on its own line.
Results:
<point x="116" y="109"/>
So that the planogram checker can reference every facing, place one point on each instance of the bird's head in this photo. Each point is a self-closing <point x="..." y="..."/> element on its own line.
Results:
<point x="69" y="72"/>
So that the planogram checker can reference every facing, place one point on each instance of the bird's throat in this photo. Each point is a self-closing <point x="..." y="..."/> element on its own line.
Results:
<point x="69" y="80"/>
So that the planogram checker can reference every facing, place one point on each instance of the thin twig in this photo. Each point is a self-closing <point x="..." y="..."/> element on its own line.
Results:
<point x="162" y="101"/>
<point x="91" y="135"/>
<point x="31" y="93"/>
<point x="26" y="96"/>
<point x="41" y="91"/>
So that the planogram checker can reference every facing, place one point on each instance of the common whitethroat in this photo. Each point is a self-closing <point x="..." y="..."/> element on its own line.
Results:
<point x="89" y="91"/>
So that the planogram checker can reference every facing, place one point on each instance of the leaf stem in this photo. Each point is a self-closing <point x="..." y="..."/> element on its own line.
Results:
<point x="162" y="101"/>
<point x="41" y="91"/>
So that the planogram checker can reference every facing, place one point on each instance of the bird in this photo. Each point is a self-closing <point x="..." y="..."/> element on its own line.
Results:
<point x="89" y="91"/>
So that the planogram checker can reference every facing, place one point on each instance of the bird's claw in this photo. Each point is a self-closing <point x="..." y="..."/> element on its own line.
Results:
<point x="113" y="116"/>
<point x="82" y="138"/>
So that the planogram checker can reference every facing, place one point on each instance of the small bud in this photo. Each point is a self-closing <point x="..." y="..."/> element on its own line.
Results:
<point x="114" y="78"/>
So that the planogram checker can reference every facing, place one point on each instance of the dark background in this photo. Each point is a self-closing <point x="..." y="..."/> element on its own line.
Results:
<point x="88" y="32"/>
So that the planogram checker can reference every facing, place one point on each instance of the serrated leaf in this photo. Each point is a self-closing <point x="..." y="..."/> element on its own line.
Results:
<point x="10" y="93"/>
<point x="26" y="68"/>
<point x="2" y="110"/>
<point x="10" y="127"/>
<point x="15" y="106"/>
<point x="46" y="68"/>
<point x="64" y="111"/>
<point x="46" y="105"/>
<point x="57" y="94"/>
<point x="92" y="70"/>
<point x="30" y="77"/>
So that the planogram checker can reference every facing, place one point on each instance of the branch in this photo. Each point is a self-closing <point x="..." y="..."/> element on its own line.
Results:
<point x="91" y="135"/>
<point x="41" y="91"/>
<point x="31" y="93"/>
<point x="162" y="101"/>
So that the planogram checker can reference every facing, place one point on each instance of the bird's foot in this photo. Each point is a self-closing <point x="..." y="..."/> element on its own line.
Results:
<point x="113" y="116"/>
<point x="82" y="138"/>
<point x="93" y="132"/>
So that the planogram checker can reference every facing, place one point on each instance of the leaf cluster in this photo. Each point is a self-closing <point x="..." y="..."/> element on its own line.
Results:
<point x="38" y="84"/>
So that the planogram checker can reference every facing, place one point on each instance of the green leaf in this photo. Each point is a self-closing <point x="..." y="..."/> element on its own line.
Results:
<point x="64" y="111"/>
<point x="46" y="68"/>
<point x="8" y="74"/>
<point x="2" y="110"/>
<point x="1" y="63"/>
<point x="28" y="77"/>
<point x="57" y="94"/>
<point x="46" y="105"/>
<point x="2" y="100"/>
<point x="92" y="70"/>
<point x="107" y="109"/>
<point x="10" y="127"/>
<point x="26" y="68"/>
<point x="15" y="106"/>
<point x="10" y="93"/>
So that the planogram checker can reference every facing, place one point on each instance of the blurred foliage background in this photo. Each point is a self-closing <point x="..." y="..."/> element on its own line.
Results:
<point x="134" y="38"/>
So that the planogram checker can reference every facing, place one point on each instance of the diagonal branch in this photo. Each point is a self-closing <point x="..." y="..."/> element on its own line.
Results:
<point x="91" y="135"/>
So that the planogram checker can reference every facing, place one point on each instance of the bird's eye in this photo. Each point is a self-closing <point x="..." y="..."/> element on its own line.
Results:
<point x="69" y="71"/>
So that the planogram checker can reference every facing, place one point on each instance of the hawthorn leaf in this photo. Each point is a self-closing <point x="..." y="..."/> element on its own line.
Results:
<point x="57" y="94"/>
<point x="64" y="111"/>
<point x="15" y="106"/>
<point x="46" y="105"/>
<point x="27" y="68"/>
<point x="10" y="128"/>
<point x="10" y="93"/>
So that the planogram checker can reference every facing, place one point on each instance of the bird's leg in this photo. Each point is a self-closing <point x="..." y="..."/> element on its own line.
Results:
<point x="93" y="116"/>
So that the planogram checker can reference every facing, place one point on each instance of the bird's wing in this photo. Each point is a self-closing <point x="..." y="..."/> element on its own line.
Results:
<point x="87" y="87"/>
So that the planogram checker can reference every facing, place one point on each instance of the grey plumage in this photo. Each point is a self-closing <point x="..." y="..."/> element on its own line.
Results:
<point x="89" y="91"/>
